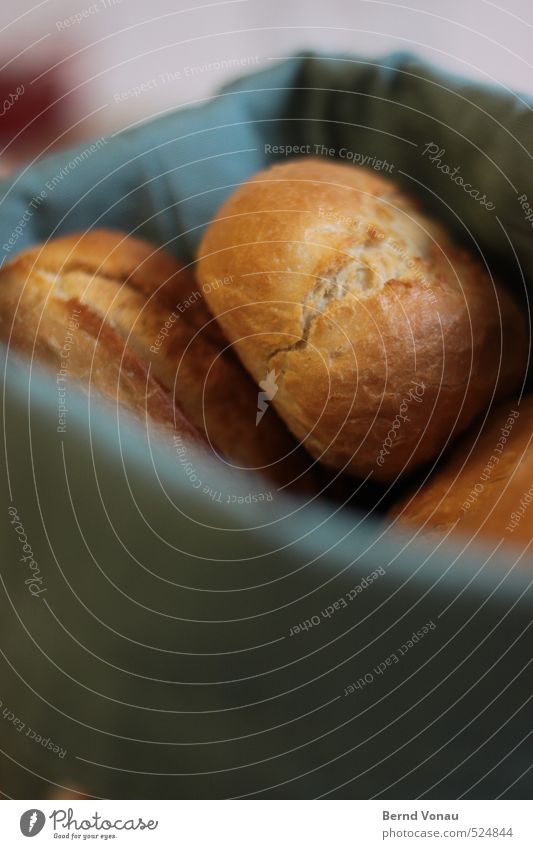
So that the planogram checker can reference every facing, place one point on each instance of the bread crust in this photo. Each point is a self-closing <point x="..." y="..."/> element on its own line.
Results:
<point x="355" y="298"/>
<point x="485" y="488"/>
<point x="144" y="338"/>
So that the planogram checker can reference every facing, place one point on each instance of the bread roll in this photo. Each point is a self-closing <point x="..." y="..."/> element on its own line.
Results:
<point x="384" y="338"/>
<point x="144" y="336"/>
<point x="45" y="315"/>
<point x="485" y="488"/>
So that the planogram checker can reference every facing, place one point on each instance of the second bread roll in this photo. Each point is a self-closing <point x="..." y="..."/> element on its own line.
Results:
<point x="145" y="338"/>
<point x="485" y="488"/>
<point x="381" y="337"/>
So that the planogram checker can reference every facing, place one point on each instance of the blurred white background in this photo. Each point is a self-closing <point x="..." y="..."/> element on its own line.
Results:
<point x="170" y="50"/>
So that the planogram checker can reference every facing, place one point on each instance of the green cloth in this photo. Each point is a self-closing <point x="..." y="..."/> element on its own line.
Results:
<point x="186" y="648"/>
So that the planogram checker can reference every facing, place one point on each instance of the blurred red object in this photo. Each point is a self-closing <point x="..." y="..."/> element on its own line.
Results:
<point x="34" y="112"/>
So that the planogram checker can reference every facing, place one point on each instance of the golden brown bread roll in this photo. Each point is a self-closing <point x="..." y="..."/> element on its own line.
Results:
<point x="485" y="488"/>
<point x="43" y="315"/>
<point x="383" y="337"/>
<point x="142" y="332"/>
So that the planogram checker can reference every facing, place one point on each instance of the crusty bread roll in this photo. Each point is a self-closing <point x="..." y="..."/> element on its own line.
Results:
<point x="485" y="488"/>
<point x="138" y="330"/>
<point x="384" y="339"/>
<point x="44" y="315"/>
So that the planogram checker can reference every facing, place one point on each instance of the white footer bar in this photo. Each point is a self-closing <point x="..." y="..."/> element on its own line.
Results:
<point x="269" y="824"/>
